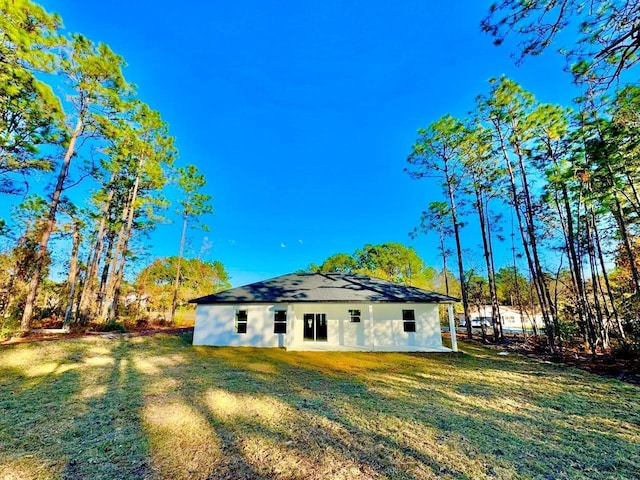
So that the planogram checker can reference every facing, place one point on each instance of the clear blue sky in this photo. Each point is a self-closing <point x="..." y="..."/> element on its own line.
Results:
<point x="302" y="114"/>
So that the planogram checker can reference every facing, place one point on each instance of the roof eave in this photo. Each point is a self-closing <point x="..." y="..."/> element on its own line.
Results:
<point x="267" y="302"/>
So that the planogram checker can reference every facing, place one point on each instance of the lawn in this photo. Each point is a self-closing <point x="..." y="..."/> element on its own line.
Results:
<point x="156" y="407"/>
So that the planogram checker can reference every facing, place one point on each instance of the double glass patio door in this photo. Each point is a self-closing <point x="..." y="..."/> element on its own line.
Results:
<point x="315" y="327"/>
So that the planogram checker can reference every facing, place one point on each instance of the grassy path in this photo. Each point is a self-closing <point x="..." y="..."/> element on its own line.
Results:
<point x="156" y="407"/>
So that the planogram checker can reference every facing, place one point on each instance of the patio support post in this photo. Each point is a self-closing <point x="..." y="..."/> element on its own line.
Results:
<point x="452" y="329"/>
<point x="371" y="329"/>
<point x="290" y="322"/>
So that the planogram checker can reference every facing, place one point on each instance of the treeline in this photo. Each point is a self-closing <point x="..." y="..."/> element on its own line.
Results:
<point x="390" y="261"/>
<point x="568" y="179"/>
<point x="69" y="117"/>
<point x="154" y="292"/>
<point x="398" y="263"/>
<point x="568" y="182"/>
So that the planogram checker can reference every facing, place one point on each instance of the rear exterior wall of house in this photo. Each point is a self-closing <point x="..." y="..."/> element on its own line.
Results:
<point x="320" y="326"/>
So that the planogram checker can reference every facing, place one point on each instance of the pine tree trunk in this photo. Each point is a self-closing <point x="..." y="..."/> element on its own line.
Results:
<point x="105" y="273"/>
<point x="87" y="294"/>
<point x="603" y="315"/>
<point x="88" y="290"/>
<point x="174" y="301"/>
<point x="618" y="214"/>
<point x="121" y="265"/>
<point x="591" y="333"/>
<point x="49" y="225"/>
<point x="546" y="303"/>
<point x="563" y="207"/>
<point x="110" y="306"/>
<point x="443" y="250"/>
<point x="636" y="203"/>
<point x="609" y="294"/>
<point x="463" y="283"/>
<point x="107" y="306"/>
<point x="519" y="299"/>
<point x="72" y="278"/>
<point x="495" y="304"/>
<point x="484" y="228"/>
<point x="526" y="235"/>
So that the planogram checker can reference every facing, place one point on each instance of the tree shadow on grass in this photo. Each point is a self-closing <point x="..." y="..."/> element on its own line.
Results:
<point x="34" y="398"/>
<point x="105" y="410"/>
<point x="504" y="433"/>
<point x="106" y="439"/>
<point x="310" y="437"/>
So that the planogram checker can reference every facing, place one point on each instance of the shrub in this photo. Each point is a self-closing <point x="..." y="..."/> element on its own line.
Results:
<point x="113" y="326"/>
<point x="8" y="326"/>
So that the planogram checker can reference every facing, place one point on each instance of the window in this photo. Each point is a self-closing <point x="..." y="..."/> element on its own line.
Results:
<point x="355" y="315"/>
<point x="280" y="321"/>
<point x="241" y="321"/>
<point x="409" y="320"/>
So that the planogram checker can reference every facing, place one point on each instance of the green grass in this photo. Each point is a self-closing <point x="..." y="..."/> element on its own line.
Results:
<point x="156" y="407"/>
<point x="185" y="318"/>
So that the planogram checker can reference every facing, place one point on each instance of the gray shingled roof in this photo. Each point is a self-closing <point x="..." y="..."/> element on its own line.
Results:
<point x="324" y="288"/>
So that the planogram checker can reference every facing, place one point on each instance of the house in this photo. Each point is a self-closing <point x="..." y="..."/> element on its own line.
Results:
<point x="141" y="299"/>
<point x="511" y="318"/>
<point x="314" y="311"/>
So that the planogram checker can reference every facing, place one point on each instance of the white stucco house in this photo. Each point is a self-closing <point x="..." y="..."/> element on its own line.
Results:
<point x="313" y="311"/>
<point x="511" y="318"/>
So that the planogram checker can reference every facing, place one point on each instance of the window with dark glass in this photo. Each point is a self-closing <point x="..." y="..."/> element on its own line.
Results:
<point x="409" y="320"/>
<point x="355" y="315"/>
<point x="280" y="321"/>
<point x="241" y="321"/>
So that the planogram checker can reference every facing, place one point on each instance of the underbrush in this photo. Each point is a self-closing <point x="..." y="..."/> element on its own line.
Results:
<point x="621" y="361"/>
<point x="8" y="326"/>
<point x="112" y="326"/>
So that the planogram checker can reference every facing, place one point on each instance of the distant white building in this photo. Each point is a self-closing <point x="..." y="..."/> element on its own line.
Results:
<point x="323" y="312"/>
<point x="511" y="318"/>
<point x="142" y="299"/>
